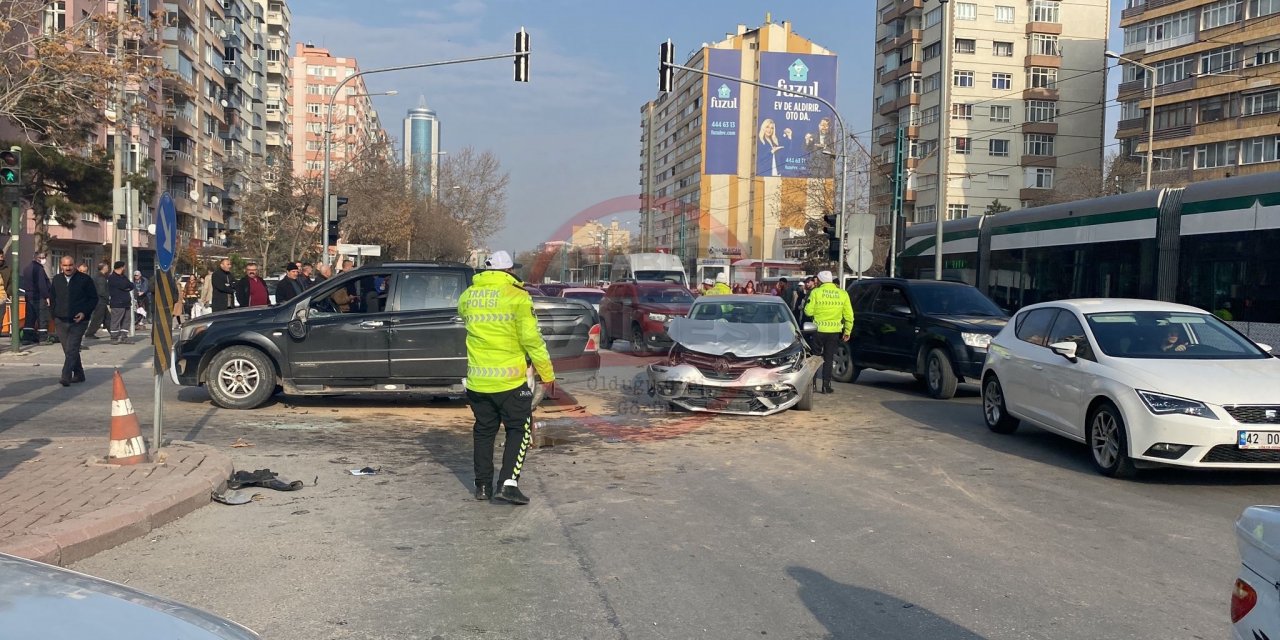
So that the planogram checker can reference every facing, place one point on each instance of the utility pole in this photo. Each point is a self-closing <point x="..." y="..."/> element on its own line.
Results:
<point x="944" y="137"/>
<point x="899" y="192"/>
<point x="117" y="165"/>
<point x="15" y="219"/>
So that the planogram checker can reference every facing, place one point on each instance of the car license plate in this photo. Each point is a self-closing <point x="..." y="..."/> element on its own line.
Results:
<point x="1258" y="439"/>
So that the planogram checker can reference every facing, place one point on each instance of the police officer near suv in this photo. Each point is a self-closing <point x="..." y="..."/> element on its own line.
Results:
<point x="502" y="335"/>
<point x="831" y="310"/>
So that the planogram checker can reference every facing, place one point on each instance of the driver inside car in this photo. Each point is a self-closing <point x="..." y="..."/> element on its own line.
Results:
<point x="1174" y="340"/>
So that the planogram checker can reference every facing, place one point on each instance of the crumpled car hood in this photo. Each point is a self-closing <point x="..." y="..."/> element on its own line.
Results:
<point x="718" y="338"/>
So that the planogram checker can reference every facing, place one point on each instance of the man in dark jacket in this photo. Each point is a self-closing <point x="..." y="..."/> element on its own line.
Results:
<point x="224" y="286"/>
<point x="36" y="282"/>
<point x="73" y="298"/>
<point x="290" y="285"/>
<point x="251" y="290"/>
<point x="101" y="313"/>
<point x="119" y="298"/>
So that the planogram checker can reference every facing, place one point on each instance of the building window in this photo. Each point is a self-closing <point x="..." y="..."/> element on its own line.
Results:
<point x="1269" y="56"/>
<point x="932" y="82"/>
<point x="962" y="79"/>
<point x="929" y="115"/>
<point x="1038" y="144"/>
<point x="1004" y="14"/>
<point x="1219" y="13"/>
<point x="1176" y="115"/>
<point x="998" y="181"/>
<point x="1259" y="8"/>
<point x="1001" y="113"/>
<point x="1257" y="103"/>
<point x="998" y="148"/>
<point x="1042" y="78"/>
<point x="1045" y="45"/>
<point x="1217" y="108"/>
<point x="966" y="11"/>
<point x="966" y="45"/>
<point x="1002" y="49"/>
<point x="1169" y="28"/>
<point x="963" y="145"/>
<point x="1045" y="11"/>
<point x="1221" y="154"/>
<point x="932" y="18"/>
<point x="55" y="17"/>
<point x="957" y="211"/>
<point x="1130" y="110"/>
<point x="961" y="111"/>
<point x="1264" y="149"/>
<point x="932" y="51"/>
<point x="1171" y="71"/>
<point x="1218" y="60"/>
<point x="1039" y="178"/>
<point x="1002" y="81"/>
<point x="927" y="213"/>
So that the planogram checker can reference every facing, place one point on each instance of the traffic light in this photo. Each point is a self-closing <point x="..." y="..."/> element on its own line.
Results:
<point x="833" y="238"/>
<point x="11" y="167"/>
<point x="340" y="208"/>
<point x="338" y="211"/>
<point x="666" y="73"/>
<point x="522" y="55"/>
<point x="331" y="234"/>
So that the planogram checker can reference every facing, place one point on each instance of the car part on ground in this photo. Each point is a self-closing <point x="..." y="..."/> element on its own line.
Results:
<point x="1255" y="598"/>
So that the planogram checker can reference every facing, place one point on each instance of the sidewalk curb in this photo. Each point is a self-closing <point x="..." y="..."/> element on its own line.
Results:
<point x="70" y="541"/>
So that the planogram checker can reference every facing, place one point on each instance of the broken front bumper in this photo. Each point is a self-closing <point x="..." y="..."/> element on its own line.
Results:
<point x="756" y="392"/>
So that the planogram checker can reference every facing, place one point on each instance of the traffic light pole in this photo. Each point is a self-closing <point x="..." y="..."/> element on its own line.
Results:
<point x="844" y="157"/>
<point x="328" y="125"/>
<point x="15" y="220"/>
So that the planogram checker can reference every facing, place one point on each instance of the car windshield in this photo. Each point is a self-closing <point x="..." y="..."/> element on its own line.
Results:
<point x="1169" y="335"/>
<point x="666" y="296"/>
<point x="590" y="296"/>
<point x="953" y="300"/>
<point x="741" y="312"/>
<point x="674" y="277"/>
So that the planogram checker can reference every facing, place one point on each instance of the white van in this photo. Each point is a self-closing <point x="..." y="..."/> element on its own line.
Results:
<point x="654" y="267"/>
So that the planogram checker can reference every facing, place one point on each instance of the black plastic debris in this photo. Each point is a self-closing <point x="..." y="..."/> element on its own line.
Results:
<point x="262" y="478"/>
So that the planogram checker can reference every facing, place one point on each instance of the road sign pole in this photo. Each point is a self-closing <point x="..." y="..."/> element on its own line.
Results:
<point x="15" y="222"/>
<point x="165" y="293"/>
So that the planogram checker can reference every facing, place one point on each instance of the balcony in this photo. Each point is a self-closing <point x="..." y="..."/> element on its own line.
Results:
<point x="890" y="137"/>
<point x="905" y="69"/>
<point x="1171" y="43"/>
<point x="1050" y="128"/>
<point x="1133" y="12"/>
<point x="1048" y="28"/>
<point x="909" y="100"/>
<point x="1038" y="161"/>
<point x="889" y="14"/>
<point x="1038" y="60"/>
<point x="1033" y="194"/>
<point x="1183" y="131"/>
<point x="178" y="163"/>
<point x="1131" y="126"/>
<point x="1040" y="93"/>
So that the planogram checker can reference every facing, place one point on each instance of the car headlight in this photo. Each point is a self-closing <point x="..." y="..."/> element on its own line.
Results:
<point x="789" y="358"/>
<point x="658" y="317"/>
<point x="976" y="340"/>
<point x="191" y="330"/>
<point x="1161" y="404"/>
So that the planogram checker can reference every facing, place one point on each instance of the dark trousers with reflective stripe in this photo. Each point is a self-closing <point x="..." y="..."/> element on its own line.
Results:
<point x="512" y="409"/>
<point x="829" y="343"/>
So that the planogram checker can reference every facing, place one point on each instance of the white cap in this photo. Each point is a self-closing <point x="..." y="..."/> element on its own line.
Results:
<point x="722" y="277"/>
<point x="708" y="281"/>
<point x="826" y="276"/>
<point x="500" y="260"/>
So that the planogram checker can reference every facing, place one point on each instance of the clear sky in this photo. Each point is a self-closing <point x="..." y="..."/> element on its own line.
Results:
<point x="571" y="137"/>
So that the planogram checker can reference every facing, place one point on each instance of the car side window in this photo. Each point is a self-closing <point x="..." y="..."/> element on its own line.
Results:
<point x="1067" y="328"/>
<point x="889" y="298"/>
<point x="1034" y="327"/>
<point x="862" y="297"/>
<point x="426" y="290"/>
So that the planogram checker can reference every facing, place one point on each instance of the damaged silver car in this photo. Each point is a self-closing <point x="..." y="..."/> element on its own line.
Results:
<point x="741" y="354"/>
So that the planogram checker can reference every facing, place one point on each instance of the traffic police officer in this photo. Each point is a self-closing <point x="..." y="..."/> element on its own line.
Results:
<point x="502" y="332"/>
<point x="721" y="287"/>
<point x="830" y="309"/>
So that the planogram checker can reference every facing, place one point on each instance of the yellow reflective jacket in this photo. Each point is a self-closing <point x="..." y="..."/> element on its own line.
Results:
<point x="719" y="289"/>
<point x="830" y="309"/>
<point x="501" y="331"/>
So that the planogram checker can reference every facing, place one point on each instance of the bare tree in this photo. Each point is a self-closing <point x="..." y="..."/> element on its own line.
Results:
<point x="277" y="220"/>
<point x="473" y="189"/>
<point x="1118" y="175"/>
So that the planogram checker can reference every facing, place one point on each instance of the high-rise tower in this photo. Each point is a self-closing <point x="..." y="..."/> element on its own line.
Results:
<point x="422" y="145"/>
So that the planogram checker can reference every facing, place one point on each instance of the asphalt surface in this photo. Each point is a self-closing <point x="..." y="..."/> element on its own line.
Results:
<point x="880" y="514"/>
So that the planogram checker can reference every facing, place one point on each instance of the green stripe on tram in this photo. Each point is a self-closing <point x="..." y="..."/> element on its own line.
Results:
<point x="1219" y="205"/>
<point x="1078" y="221"/>
<point x="926" y="244"/>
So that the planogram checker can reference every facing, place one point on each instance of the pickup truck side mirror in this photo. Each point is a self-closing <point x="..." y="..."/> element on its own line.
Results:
<point x="901" y="311"/>
<point x="809" y="327"/>
<point x="1064" y="349"/>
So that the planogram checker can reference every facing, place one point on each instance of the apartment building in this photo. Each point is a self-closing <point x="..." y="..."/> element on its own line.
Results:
<point x="1215" y="66"/>
<point x="1025" y="87"/>
<point x="727" y="169"/>
<point x="356" y="126"/>
<point x="278" y="134"/>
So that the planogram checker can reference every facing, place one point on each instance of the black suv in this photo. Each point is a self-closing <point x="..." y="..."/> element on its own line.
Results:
<point x="389" y="328"/>
<point x="935" y="330"/>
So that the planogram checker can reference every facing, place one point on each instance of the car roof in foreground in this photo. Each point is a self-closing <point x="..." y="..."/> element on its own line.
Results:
<point x="742" y="297"/>
<point x="1115" y="305"/>
<point x="910" y="281"/>
<point x="582" y="290"/>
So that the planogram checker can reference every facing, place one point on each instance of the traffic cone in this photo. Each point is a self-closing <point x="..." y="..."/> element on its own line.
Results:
<point x="127" y="446"/>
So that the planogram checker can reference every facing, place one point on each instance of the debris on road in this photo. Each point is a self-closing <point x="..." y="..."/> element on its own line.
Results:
<point x="367" y="471"/>
<point x="240" y="443"/>
<point x="233" y="497"/>
<point x="262" y="478"/>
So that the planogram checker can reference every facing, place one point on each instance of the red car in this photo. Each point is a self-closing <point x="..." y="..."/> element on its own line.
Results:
<point x="641" y="312"/>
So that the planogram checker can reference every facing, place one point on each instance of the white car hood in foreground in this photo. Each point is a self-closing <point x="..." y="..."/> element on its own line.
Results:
<point x="1221" y="382"/>
<point x="717" y="337"/>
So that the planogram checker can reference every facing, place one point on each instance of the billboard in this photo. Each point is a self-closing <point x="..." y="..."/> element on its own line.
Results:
<point x="794" y="132"/>
<point x="721" y="115"/>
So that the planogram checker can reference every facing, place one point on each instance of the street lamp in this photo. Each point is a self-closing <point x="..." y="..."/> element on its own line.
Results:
<point x="1151" y="114"/>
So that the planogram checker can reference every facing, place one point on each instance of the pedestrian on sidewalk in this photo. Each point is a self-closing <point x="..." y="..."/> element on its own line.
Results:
<point x="224" y="287"/>
<point x="829" y="305"/>
<point x="73" y="299"/>
<point x="120" y="293"/>
<point x="291" y="284"/>
<point x="4" y="291"/>
<point x="102" y="312"/>
<point x="35" y="328"/>
<point x="142" y="292"/>
<point x="501" y="333"/>
<point x="251" y="290"/>
<point x="191" y="294"/>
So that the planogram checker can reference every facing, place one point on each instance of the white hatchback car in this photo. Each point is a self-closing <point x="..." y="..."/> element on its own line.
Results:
<point x="1143" y="383"/>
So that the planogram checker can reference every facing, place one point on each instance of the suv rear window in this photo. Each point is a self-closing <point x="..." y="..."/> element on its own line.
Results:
<point x="672" y="295"/>
<point x="954" y="300"/>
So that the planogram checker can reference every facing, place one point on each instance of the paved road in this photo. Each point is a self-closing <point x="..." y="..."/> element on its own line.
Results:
<point x="881" y="514"/>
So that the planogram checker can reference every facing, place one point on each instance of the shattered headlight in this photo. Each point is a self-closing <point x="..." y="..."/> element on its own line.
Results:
<point x="790" y="359"/>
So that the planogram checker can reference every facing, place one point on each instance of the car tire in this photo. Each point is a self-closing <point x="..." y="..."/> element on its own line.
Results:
<point x="919" y="377"/>
<point x="606" y="340"/>
<point x="940" y="377"/>
<point x="638" y="345"/>
<point x="241" y="377"/>
<point x="993" y="410"/>
<point x="806" y="396"/>
<point x="1108" y="442"/>
<point x="842" y="367"/>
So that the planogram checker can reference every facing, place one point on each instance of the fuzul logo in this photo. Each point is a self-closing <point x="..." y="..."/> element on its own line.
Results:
<point x="799" y="71"/>
<point x="724" y="98"/>
<point x="797" y="81"/>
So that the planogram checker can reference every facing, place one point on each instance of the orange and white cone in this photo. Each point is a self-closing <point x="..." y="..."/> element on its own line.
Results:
<point x="127" y="446"/>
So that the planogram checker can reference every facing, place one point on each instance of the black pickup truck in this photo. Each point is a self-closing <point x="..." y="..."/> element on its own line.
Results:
<point x="393" y="328"/>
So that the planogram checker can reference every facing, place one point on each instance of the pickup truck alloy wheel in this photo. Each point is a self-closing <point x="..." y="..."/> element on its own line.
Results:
<point x="241" y="378"/>
<point x="638" y="344"/>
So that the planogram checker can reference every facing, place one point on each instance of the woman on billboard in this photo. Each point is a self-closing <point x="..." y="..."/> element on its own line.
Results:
<point x="768" y="138"/>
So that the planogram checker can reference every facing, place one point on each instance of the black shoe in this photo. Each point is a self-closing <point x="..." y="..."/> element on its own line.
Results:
<point x="512" y="494"/>
<point x="77" y="378"/>
<point x="484" y="491"/>
<point x="64" y="382"/>
<point x="826" y="389"/>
